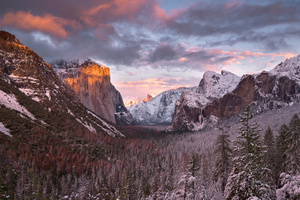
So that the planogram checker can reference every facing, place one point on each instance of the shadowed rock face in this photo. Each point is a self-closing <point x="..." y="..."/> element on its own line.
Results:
<point x="91" y="84"/>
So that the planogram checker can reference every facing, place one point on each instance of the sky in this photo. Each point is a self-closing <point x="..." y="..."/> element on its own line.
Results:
<point x="155" y="45"/>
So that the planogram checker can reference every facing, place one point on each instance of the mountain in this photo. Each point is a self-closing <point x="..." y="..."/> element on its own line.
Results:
<point x="90" y="82"/>
<point x="212" y="86"/>
<point x="32" y="96"/>
<point x="265" y="91"/>
<point x="132" y="101"/>
<point x="158" y="110"/>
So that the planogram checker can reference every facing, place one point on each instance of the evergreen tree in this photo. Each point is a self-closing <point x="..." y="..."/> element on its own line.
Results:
<point x="293" y="151"/>
<point x="282" y="146"/>
<point x="222" y="163"/>
<point x="270" y="157"/>
<point x="246" y="179"/>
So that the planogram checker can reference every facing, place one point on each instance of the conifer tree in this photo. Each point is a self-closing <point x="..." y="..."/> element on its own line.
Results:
<point x="282" y="146"/>
<point x="293" y="151"/>
<point x="246" y="179"/>
<point x="270" y="156"/>
<point x="222" y="163"/>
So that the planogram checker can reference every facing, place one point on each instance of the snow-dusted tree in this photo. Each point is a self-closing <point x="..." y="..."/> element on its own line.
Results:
<point x="246" y="179"/>
<point x="290" y="187"/>
<point x="293" y="151"/>
<point x="186" y="188"/>
<point x="270" y="157"/>
<point x="222" y="162"/>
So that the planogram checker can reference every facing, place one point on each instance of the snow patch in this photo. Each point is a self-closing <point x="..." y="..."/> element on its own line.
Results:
<point x="88" y="126"/>
<point x="4" y="130"/>
<point x="70" y="112"/>
<point x="111" y="130"/>
<point x="10" y="101"/>
<point x="47" y="93"/>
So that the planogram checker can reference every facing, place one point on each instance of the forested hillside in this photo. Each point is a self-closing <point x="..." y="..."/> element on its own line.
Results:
<point x="85" y="165"/>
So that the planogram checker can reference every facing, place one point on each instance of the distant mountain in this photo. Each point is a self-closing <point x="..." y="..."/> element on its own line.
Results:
<point x="158" y="110"/>
<point x="32" y="96"/>
<point x="266" y="91"/>
<point x="90" y="82"/>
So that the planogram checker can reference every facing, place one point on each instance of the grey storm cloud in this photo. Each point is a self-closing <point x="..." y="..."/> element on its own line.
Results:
<point x="99" y="29"/>
<point x="165" y="52"/>
<point x="205" y="19"/>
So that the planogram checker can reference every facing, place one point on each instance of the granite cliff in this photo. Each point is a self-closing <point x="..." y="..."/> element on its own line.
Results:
<point x="90" y="82"/>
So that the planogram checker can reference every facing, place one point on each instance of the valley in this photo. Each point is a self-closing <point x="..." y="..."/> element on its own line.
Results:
<point x="65" y="133"/>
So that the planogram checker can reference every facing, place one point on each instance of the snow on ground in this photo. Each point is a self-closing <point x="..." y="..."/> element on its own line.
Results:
<point x="27" y="91"/>
<point x="88" y="126"/>
<point x="70" y="112"/>
<point x="47" y="93"/>
<point x="10" y="101"/>
<point x="4" y="130"/>
<point x="111" y="130"/>
<point x="19" y="79"/>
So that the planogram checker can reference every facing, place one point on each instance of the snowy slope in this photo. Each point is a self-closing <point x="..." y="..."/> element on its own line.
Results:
<point x="158" y="110"/>
<point x="214" y="85"/>
<point x="289" y="68"/>
<point x="10" y="101"/>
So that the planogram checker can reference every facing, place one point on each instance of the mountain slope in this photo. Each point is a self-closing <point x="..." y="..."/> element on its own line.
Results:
<point x="275" y="89"/>
<point x="32" y="96"/>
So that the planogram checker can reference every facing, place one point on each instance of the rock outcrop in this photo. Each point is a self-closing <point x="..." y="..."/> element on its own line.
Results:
<point x="277" y="88"/>
<point x="90" y="82"/>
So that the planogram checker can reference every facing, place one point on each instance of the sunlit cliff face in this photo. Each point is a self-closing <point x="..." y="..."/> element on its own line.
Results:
<point x="92" y="73"/>
<point x="92" y="86"/>
<point x="96" y="70"/>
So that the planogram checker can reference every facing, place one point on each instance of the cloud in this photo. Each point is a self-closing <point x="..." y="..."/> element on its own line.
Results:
<point x="164" y="52"/>
<point x="234" y="22"/>
<point x="154" y="86"/>
<point x="46" y="23"/>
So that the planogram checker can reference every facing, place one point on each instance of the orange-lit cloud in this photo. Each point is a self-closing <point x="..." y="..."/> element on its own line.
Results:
<point x="120" y="10"/>
<point x="46" y="23"/>
<point x="285" y="55"/>
<point x="182" y="59"/>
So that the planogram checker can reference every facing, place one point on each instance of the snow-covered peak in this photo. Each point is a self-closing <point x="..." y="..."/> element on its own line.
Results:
<point x="290" y="68"/>
<point x="160" y="109"/>
<point x="215" y="85"/>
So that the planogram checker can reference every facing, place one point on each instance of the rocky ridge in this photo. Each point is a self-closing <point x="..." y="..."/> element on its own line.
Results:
<point x="265" y="91"/>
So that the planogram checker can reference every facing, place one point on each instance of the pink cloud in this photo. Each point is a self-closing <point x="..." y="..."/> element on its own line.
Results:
<point x="232" y="4"/>
<point x="47" y="23"/>
<point x="141" y="88"/>
<point x="182" y="59"/>
<point x="116" y="10"/>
